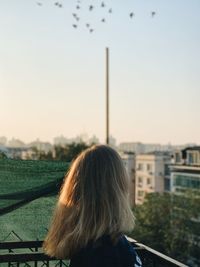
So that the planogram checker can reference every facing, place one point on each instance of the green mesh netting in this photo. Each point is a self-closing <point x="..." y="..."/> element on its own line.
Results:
<point x="24" y="181"/>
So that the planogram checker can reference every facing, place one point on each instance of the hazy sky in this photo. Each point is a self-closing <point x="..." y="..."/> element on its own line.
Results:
<point x="52" y="76"/>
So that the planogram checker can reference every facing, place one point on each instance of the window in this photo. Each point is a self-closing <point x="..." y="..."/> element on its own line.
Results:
<point x="140" y="166"/>
<point x="149" y="167"/>
<point x="166" y="169"/>
<point x="193" y="157"/>
<point x="148" y="181"/>
<point x="140" y="180"/>
<point x="190" y="158"/>
<point x="177" y="157"/>
<point x="186" y="181"/>
<point x="167" y="184"/>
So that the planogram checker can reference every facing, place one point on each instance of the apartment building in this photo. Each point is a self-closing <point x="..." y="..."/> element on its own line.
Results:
<point x="129" y="163"/>
<point x="152" y="174"/>
<point x="185" y="171"/>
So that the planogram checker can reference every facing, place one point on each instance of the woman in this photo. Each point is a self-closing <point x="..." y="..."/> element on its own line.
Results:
<point x="93" y="212"/>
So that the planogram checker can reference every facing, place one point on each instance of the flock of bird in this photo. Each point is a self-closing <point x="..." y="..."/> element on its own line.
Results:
<point x="91" y="7"/>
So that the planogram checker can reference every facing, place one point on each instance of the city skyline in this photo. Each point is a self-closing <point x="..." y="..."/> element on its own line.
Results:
<point x="52" y="76"/>
<point x="84" y="137"/>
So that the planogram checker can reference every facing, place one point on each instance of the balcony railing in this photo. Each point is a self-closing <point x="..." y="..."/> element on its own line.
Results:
<point x="30" y="254"/>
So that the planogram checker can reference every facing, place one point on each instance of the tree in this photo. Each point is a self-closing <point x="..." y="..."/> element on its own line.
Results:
<point x="41" y="154"/>
<point x="170" y="223"/>
<point x="2" y="155"/>
<point x="69" y="151"/>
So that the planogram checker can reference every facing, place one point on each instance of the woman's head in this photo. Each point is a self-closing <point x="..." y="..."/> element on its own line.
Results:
<point x="93" y="200"/>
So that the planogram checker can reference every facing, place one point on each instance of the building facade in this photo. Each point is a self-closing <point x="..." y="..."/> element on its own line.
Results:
<point x="129" y="163"/>
<point x="185" y="170"/>
<point x="152" y="174"/>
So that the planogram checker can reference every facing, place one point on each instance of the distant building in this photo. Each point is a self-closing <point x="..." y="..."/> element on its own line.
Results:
<point x="93" y="140"/>
<point x="41" y="146"/>
<point x="141" y="148"/>
<point x="136" y="148"/>
<point x="129" y="163"/>
<point x="3" y="140"/>
<point x="61" y="140"/>
<point x="15" y="152"/>
<point x="185" y="171"/>
<point x="29" y="153"/>
<point x="112" y="141"/>
<point x="16" y="143"/>
<point x="152" y="174"/>
<point x="81" y="138"/>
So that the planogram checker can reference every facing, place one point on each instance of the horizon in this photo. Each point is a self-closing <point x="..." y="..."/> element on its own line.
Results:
<point x="72" y="139"/>
<point x="52" y="75"/>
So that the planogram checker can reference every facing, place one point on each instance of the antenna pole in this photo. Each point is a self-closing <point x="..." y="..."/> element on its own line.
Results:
<point x="107" y="95"/>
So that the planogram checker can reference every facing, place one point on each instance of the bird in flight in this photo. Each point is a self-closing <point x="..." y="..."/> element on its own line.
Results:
<point x="91" y="8"/>
<point x="75" y="16"/>
<point x="58" y="4"/>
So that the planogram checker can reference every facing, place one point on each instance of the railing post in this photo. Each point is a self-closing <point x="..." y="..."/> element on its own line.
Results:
<point x="9" y="263"/>
<point x="36" y="263"/>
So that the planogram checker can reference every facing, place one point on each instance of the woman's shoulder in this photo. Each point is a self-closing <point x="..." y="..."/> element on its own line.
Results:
<point x="123" y="252"/>
<point x="128" y="254"/>
<point x="106" y="253"/>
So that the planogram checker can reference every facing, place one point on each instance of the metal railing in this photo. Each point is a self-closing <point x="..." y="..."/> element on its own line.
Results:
<point x="29" y="254"/>
<point x="152" y="258"/>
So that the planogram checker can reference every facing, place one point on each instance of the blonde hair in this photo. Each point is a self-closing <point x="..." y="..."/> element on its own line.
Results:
<point x="93" y="201"/>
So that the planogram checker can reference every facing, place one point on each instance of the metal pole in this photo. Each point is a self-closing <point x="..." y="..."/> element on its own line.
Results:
<point x="107" y="95"/>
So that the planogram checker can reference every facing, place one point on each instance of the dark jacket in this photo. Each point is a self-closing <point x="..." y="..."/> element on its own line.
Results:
<point x="104" y="254"/>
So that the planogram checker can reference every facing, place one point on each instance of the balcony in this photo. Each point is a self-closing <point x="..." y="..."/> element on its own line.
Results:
<point x="30" y="254"/>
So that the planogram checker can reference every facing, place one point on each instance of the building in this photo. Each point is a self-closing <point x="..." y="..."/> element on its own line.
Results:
<point x="141" y="148"/>
<point x="129" y="163"/>
<point x="16" y="143"/>
<point x="185" y="175"/>
<point x="61" y="140"/>
<point x="3" y="141"/>
<point x="152" y="174"/>
<point x="136" y="148"/>
<point x="15" y="152"/>
<point x="41" y="146"/>
<point x="185" y="170"/>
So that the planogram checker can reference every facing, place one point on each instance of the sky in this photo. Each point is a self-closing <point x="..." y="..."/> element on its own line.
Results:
<point x="52" y="75"/>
